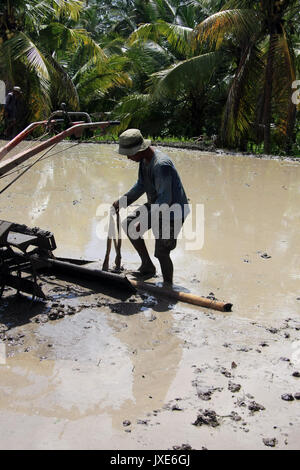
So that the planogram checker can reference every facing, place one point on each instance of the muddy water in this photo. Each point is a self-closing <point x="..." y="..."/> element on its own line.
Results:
<point x="250" y="251"/>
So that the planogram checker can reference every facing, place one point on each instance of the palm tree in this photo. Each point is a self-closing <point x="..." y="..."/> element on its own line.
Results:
<point x="34" y="36"/>
<point x="184" y="86"/>
<point x="260" y="36"/>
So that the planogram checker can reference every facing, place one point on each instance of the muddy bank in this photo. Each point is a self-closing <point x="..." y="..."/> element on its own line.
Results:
<point x="140" y="373"/>
<point x="202" y="147"/>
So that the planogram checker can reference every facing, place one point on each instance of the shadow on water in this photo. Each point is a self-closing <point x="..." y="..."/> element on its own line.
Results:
<point x="91" y="287"/>
<point x="149" y="303"/>
<point x="19" y="309"/>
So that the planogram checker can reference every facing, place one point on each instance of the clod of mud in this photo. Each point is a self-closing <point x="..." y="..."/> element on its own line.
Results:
<point x="253" y="406"/>
<point x="126" y="423"/>
<point x="40" y="318"/>
<point x="296" y="374"/>
<point x="270" y="442"/>
<point x="287" y="397"/>
<point x="207" y="417"/>
<point x="205" y="395"/>
<point x="297" y="396"/>
<point x="183" y="447"/>
<point x="15" y="340"/>
<point x="274" y="331"/>
<point x="176" y="408"/>
<point x="234" y="387"/>
<point x="225" y="372"/>
<point x="265" y="256"/>
<point x="211" y="296"/>
<point x="3" y="328"/>
<point x="235" y="416"/>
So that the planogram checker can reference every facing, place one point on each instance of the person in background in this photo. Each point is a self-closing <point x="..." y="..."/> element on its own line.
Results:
<point x="13" y="112"/>
<point x="158" y="178"/>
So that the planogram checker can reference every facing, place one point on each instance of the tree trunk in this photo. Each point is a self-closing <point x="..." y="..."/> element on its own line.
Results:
<point x="290" y="137"/>
<point x="268" y="93"/>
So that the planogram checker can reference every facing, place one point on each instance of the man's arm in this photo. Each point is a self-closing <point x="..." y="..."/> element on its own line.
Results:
<point x="137" y="190"/>
<point x="163" y="184"/>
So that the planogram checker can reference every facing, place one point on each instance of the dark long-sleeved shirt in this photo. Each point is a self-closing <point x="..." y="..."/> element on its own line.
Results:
<point x="159" y="179"/>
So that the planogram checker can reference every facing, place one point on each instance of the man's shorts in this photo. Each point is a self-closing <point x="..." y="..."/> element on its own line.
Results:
<point x="165" y="239"/>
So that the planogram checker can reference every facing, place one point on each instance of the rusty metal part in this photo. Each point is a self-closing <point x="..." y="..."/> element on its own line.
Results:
<point x="76" y="129"/>
<point x="21" y="136"/>
<point x="17" y="267"/>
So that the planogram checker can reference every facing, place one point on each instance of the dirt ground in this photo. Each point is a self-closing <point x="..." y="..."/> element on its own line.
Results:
<point x="94" y="371"/>
<point x="94" y="368"/>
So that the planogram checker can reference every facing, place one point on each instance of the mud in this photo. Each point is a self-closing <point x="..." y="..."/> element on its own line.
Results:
<point x="77" y="367"/>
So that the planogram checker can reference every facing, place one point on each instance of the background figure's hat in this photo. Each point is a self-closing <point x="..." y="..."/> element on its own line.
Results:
<point x="17" y="88"/>
<point x="132" y="142"/>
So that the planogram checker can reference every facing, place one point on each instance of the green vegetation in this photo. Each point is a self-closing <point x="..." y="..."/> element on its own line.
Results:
<point x="183" y="68"/>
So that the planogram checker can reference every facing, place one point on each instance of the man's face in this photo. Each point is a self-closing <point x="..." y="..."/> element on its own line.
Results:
<point x="136" y="157"/>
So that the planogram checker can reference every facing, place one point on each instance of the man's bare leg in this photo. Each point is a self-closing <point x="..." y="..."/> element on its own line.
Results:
<point x="147" y="267"/>
<point x="167" y="269"/>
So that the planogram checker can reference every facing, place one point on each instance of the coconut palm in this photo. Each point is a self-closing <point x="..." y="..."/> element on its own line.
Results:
<point x="185" y="89"/>
<point x="34" y="37"/>
<point x="260" y="35"/>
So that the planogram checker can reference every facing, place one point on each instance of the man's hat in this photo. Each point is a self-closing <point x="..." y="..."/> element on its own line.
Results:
<point x="132" y="142"/>
<point x="17" y="88"/>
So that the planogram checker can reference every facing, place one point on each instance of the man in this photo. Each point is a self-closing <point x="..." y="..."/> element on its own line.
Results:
<point x="13" y="112"/>
<point x="159" y="179"/>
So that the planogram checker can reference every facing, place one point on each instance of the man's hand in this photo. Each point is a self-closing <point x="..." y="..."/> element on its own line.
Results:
<point x="116" y="206"/>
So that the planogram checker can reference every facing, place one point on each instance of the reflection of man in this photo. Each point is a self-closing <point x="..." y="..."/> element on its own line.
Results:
<point x="13" y="112"/>
<point x="159" y="179"/>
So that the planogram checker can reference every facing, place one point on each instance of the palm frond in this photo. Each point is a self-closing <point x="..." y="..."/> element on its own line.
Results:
<point x="70" y="8"/>
<point x="22" y="48"/>
<point x="133" y="110"/>
<point x="240" y="23"/>
<point x="145" y="32"/>
<point x="240" y="109"/>
<point x="179" y="37"/>
<point x="282" y="85"/>
<point x="59" y="36"/>
<point x="62" y="86"/>
<point x="193" y="73"/>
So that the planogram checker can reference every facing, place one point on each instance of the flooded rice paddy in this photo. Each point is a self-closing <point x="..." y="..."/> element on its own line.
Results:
<point x="249" y="255"/>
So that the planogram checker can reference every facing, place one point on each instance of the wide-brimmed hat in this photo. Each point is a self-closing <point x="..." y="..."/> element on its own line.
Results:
<point x="132" y="142"/>
<point x="17" y="88"/>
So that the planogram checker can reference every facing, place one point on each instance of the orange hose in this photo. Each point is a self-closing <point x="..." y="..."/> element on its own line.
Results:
<point x="184" y="296"/>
